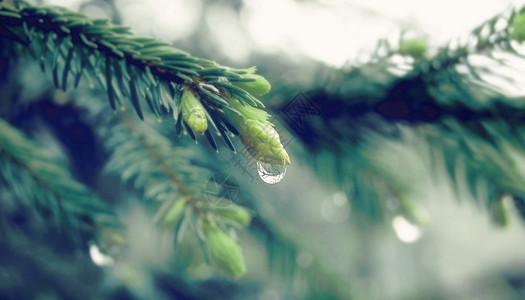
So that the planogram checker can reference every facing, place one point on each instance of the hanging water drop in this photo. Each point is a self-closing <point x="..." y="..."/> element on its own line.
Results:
<point x="271" y="173"/>
<point x="406" y="231"/>
<point x="100" y="258"/>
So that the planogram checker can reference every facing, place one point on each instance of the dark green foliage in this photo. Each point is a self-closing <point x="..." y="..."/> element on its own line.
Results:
<point x="446" y="102"/>
<point x="404" y="100"/>
<point x="39" y="179"/>
<point x="139" y="69"/>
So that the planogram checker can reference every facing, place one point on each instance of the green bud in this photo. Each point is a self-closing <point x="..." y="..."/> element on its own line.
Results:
<point x="414" y="211"/>
<point x="235" y="213"/>
<point x="499" y="210"/>
<point x="258" y="134"/>
<point x="193" y="112"/>
<point x="262" y="141"/>
<point x="258" y="87"/>
<point x="225" y="254"/>
<point x="173" y="215"/>
<point x="517" y="28"/>
<point x="415" y="47"/>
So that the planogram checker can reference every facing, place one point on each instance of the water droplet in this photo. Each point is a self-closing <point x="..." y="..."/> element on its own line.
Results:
<point x="271" y="173"/>
<point x="100" y="258"/>
<point x="406" y="231"/>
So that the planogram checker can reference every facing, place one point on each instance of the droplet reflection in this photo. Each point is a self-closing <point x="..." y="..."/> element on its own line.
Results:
<point x="271" y="173"/>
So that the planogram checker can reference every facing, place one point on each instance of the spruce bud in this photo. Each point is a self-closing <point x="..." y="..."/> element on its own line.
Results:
<point x="262" y="140"/>
<point x="193" y="112"/>
<point x="257" y="87"/>
<point x="517" y="29"/>
<point x="173" y="215"/>
<point x="225" y="254"/>
<point x="499" y="210"/>
<point x="236" y="214"/>
<point x="415" y="47"/>
<point x="414" y="211"/>
<point x="258" y="135"/>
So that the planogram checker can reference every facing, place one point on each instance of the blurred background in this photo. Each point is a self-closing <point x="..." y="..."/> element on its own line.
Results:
<point x="342" y="245"/>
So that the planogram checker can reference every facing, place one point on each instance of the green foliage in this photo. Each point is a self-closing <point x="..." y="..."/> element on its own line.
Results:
<point x="258" y="87"/>
<point x="414" y="47"/>
<point x="198" y="92"/>
<point x="235" y="214"/>
<point x="386" y="106"/>
<point x="449" y="103"/>
<point x="259" y="136"/>
<point x="128" y="67"/>
<point x="147" y="159"/>
<point x="225" y="254"/>
<point x="39" y="179"/>
<point x="167" y="177"/>
<point x="174" y="214"/>
<point x="517" y="29"/>
<point x="193" y="112"/>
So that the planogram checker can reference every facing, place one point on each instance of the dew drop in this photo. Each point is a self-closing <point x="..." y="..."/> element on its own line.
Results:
<point x="100" y="258"/>
<point x="406" y="232"/>
<point x="271" y="173"/>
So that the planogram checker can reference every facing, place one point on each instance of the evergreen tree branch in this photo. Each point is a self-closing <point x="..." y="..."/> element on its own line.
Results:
<point x="70" y="44"/>
<point x="430" y="89"/>
<point x="170" y="175"/>
<point x="171" y="181"/>
<point x="43" y="183"/>
<point x="445" y="98"/>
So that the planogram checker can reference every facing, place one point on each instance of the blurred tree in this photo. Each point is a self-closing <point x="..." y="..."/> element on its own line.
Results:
<point x="74" y="161"/>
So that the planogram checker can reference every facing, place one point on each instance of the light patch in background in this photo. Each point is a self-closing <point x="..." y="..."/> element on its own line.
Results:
<point x="97" y="10"/>
<point x="502" y="71"/>
<point x="441" y="20"/>
<point x="321" y="32"/>
<point x="329" y="31"/>
<point x="72" y="4"/>
<point x="336" y="31"/>
<point x="227" y="32"/>
<point x="406" y="231"/>
<point x="167" y="20"/>
<point x="335" y="208"/>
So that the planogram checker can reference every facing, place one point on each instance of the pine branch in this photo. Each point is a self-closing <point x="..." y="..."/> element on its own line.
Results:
<point x="41" y="182"/>
<point x="171" y="182"/>
<point x="488" y="166"/>
<point x="70" y="44"/>
<point x="441" y="98"/>
<point x="401" y="84"/>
